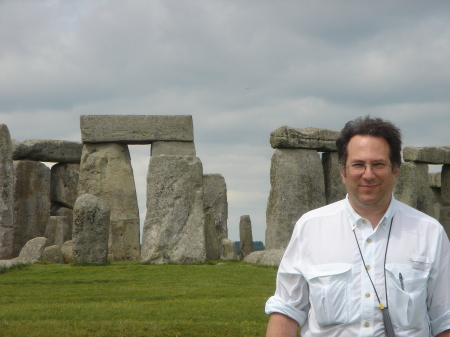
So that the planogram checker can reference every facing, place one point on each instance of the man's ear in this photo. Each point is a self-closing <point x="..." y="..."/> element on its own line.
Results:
<point x="342" y="172"/>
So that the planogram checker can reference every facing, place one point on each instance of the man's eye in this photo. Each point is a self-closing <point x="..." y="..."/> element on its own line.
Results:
<point x="378" y="165"/>
<point x="357" y="166"/>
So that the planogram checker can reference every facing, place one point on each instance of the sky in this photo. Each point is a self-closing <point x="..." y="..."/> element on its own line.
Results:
<point x="241" y="68"/>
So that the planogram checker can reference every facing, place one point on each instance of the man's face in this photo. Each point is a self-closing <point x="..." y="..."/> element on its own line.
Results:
<point x="369" y="190"/>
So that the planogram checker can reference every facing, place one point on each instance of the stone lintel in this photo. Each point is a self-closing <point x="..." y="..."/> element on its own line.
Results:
<point x="323" y="140"/>
<point x="57" y="151"/>
<point x="429" y="155"/>
<point x="173" y="148"/>
<point x="136" y="129"/>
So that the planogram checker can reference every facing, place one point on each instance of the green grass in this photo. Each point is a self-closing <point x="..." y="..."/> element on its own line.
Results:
<point x="132" y="299"/>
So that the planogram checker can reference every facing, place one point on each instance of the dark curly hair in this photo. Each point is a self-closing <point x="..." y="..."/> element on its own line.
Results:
<point x="375" y="127"/>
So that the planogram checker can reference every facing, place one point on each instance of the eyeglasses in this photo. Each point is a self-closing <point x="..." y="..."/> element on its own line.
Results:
<point x="360" y="168"/>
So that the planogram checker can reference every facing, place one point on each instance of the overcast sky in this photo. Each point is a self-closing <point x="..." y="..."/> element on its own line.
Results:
<point x="240" y="68"/>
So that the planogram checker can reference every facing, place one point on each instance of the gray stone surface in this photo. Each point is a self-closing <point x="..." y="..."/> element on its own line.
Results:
<point x="245" y="236"/>
<point x="215" y="202"/>
<point x="57" y="231"/>
<point x="9" y="263"/>
<point x="67" y="251"/>
<point x="228" y="250"/>
<point x="31" y="201"/>
<point x="307" y="138"/>
<point x="136" y="129"/>
<point x="445" y="184"/>
<point x="435" y="179"/>
<point x="334" y="187"/>
<point x="53" y="254"/>
<point x="32" y="250"/>
<point x="6" y="193"/>
<point x="57" y="151"/>
<point x="297" y="186"/>
<point x="7" y="242"/>
<point x="90" y="230"/>
<point x="212" y="242"/>
<point x="174" y="224"/>
<point x="429" y="155"/>
<point x="67" y="212"/>
<point x="266" y="257"/>
<point x="106" y="172"/>
<point x="64" y="184"/>
<point x="413" y="188"/>
<point x="173" y="149"/>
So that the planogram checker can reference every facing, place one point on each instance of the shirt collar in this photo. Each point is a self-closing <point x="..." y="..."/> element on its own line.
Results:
<point x="354" y="217"/>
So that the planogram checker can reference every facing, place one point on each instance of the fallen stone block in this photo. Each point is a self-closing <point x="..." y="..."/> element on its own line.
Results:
<point x="270" y="257"/>
<point x="32" y="251"/>
<point x="322" y="140"/>
<point x="57" y="151"/>
<point x="67" y="251"/>
<point x="136" y="129"/>
<point x="53" y="254"/>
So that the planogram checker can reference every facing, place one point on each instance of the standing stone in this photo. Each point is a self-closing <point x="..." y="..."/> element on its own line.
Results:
<point x="215" y="202"/>
<point x="57" y="231"/>
<point x="31" y="201"/>
<point x="297" y="186"/>
<point x="228" y="250"/>
<point x="334" y="187"/>
<point x="245" y="236"/>
<point x="174" y="223"/>
<point x="67" y="251"/>
<point x="68" y="213"/>
<point x="32" y="250"/>
<point x="173" y="149"/>
<point x="413" y="188"/>
<point x="90" y="230"/>
<point x="6" y="194"/>
<point x="445" y="184"/>
<point x="106" y="172"/>
<point x="212" y="243"/>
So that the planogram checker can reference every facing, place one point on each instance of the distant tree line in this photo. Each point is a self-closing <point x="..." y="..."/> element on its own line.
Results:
<point x="257" y="245"/>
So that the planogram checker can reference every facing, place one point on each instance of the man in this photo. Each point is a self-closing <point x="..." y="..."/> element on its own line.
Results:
<point x="349" y="261"/>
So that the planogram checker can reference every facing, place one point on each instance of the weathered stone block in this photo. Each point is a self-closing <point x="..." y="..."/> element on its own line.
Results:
<point x="334" y="187"/>
<point x="413" y="188"/>
<point x="57" y="151"/>
<point x="215" y="202"/>
<point x="173" y="149"/>
<point x="266" y="257"/>
<point x="6" y="242"/>
<point x="68" y="213"/>
<point x="307" y="138"/>
<point x="174" y="224"/>
<point x="445" y="184"/>
<point x="53" y="254"/>
<point x="211" y="239"/>
<point x="429" y="155"/>
<point x="435" y="179"/>
<point x="90" y="230"/>
<point x="67" y="251"/>
<point x="31" y="202"/>
<point x="245" y="236"/>
<point x="136" y="129"/>
<point x="106" y="172"/>
<point x="64" y="184"/>
<point x="228" y="250"/>
<point x="32" y="250"/>
<point x="297" y="186"/>
<point x="57" y="231"/>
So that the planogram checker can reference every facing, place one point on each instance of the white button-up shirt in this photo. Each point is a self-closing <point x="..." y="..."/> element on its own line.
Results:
<point x="323" y="285"/>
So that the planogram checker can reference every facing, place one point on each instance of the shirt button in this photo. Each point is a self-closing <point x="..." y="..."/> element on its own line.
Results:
<point x="364" y="221"/>
<point x="368" y="267"/>
<point x="384" y="224"/>
<point x="369" y="240"/>
<point x="367" y="294"/>
<point x="367" y="324"/>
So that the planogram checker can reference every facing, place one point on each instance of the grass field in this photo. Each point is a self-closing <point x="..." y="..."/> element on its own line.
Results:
<point x="132" y="299"/>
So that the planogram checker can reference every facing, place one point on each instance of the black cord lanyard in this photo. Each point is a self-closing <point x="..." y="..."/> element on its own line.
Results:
<point x="384" y="309"/>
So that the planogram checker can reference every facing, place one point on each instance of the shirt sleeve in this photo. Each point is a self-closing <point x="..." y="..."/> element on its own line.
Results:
<point x="439" y="287"/>
<point x="291" y="294"/>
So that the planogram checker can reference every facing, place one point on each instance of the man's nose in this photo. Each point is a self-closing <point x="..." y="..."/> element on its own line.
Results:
<point x="368" y="173"/>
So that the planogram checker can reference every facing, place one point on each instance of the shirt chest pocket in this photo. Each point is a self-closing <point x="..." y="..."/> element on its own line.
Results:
<point x="329" y="292"/>
<point x="407" y="295"/>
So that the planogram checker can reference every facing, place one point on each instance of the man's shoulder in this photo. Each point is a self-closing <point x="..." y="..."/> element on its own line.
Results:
<point x="412" y="213"/>
<point x="325" y="211"/>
